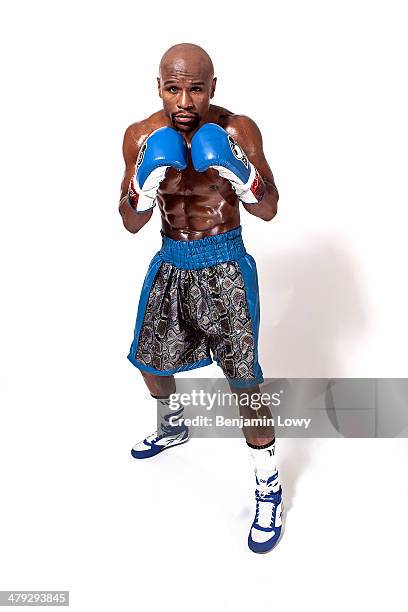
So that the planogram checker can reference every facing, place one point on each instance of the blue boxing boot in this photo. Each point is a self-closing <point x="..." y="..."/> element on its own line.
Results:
<point x="168" y="434"/>
<point x="266" y="528"/>
<point x="267" y="525"/>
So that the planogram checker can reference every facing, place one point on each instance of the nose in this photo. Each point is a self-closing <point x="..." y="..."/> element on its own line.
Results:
<point x="185" y="102"/>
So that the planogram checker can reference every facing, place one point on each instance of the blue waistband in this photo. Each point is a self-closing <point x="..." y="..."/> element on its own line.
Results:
<point x="208" y="251"/>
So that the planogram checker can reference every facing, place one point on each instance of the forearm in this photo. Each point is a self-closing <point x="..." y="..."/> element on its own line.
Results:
<point x="132" y="220"/>
<point x="267" y="208"/>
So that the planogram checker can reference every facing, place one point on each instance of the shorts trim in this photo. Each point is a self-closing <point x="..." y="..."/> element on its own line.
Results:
<point x="241" y="383"/>
<point x="184" y="368"/>
<point x="249" y="273"/>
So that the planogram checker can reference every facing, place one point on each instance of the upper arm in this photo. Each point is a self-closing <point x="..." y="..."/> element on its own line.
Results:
<point x="134" y="137"/>
<point x="245" y="131"/>
<point x="130" y="151"/>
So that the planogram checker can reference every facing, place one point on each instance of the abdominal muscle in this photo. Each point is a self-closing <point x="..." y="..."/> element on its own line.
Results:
<point x="195" y="205"/>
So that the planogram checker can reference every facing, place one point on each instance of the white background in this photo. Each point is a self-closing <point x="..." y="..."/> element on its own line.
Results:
<point x="326" y="83"/>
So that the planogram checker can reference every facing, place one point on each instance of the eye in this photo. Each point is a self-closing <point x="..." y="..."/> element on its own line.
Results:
<point x="172" y="89"/>
<point x="196" y="89"/>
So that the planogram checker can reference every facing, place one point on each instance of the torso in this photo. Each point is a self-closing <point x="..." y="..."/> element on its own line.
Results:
<point x="195" y="204"/>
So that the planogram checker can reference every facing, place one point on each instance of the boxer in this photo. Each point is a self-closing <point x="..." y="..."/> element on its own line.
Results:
<point x="198" y="164"/>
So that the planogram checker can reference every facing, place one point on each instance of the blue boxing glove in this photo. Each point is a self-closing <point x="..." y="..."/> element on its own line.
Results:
<point x="163" y="148"/>
<point x="213" y="147"/>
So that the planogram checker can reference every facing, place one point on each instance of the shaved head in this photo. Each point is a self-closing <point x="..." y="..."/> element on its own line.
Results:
<point x="187" y="57"/>
<point x="186" y="84"/>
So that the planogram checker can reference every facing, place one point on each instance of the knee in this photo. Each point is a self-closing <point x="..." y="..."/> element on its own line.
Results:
<point x="149" y="378"/>
<point x="159" y="385"/>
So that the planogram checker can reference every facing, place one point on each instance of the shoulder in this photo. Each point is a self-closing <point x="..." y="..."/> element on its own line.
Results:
<point x="245" y="131"/>
<point x="137" y="132"/>
<point x="239" y="126"/>
<point x="242" y="126"/>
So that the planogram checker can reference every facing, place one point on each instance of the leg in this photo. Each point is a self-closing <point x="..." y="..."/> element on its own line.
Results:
<point x="167" y="434"/>
<point x="266" y="528"/>
<point x="258" y="435"/>
<point x="260" y="438"/>
<point x="159" y="386"/>
<point x="164" y="342"/>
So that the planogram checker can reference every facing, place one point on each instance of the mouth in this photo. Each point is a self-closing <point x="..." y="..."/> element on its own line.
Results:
<point x="184" y="118"/>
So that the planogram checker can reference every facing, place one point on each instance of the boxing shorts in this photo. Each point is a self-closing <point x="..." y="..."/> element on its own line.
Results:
<point x="199" y="303"/>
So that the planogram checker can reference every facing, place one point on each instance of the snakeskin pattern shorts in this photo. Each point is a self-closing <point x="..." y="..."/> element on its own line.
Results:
<point x="199" y="303"/>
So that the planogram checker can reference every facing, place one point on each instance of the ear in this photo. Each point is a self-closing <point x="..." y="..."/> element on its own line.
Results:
<point x="214" y="83"/>
<point x="158" y="87"/>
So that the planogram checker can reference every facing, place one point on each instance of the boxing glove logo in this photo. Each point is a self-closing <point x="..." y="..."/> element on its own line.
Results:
<point x="237" y="151"/>
<point x="141" y="155"/>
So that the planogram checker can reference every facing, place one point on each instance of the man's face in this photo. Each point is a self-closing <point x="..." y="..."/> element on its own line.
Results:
<point x="186" y="90"/>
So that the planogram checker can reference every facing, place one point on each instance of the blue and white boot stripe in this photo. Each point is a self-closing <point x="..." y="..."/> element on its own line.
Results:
<point x="158" y="442"/>
<point x="267" y="525"/>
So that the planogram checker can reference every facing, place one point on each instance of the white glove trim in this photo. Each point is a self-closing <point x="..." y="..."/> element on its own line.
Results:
<point x="243" y="190"/>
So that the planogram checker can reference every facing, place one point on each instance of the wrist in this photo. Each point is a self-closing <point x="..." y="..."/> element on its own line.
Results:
<point x="137" y="200"/>
<point x="132" y="195"/>
<point x="254" y="189"/>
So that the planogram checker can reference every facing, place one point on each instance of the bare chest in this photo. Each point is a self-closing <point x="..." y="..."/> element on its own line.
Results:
<point x="192" y="183"/>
